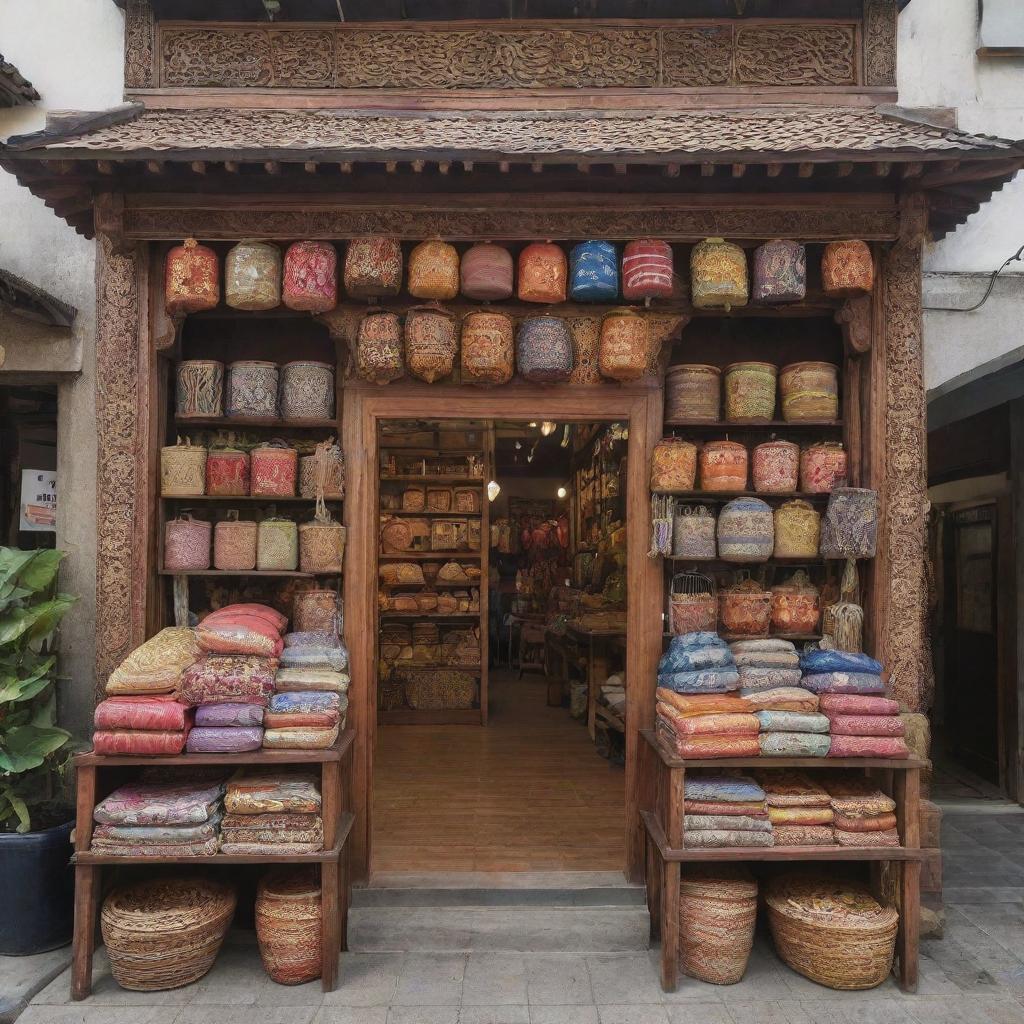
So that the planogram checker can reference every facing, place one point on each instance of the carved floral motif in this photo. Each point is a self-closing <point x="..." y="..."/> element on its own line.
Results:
<point x="138" y="44"/>
<point x="796" y="55"/>
<point x="880" y="42"/>
<point x="696" y="56"/>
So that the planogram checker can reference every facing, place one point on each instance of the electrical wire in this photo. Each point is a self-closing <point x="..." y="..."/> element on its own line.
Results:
<point x="1017" y="257"/>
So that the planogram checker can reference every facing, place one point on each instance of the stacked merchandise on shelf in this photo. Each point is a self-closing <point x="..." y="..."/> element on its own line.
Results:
<point x="272" y="812"/>
<point x="724" y="810"/>
<point x="863" y="814"/>
<point x="799" y="809"/>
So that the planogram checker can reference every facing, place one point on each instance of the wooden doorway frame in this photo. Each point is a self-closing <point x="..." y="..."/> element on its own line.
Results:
<point x="364" y="408"/>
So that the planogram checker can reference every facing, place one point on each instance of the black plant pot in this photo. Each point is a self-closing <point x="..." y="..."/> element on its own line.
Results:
<point x="38" y="887"/>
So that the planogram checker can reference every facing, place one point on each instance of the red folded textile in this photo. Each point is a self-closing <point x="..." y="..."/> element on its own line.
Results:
<point x="723" y="723"/>
<point x="866" y="725"/>
<point x="320" y="720"/>
<point x="254" y="637"/>
<point x="856" y="704"/>
<point x="264" y="611"/>
<point x="126" y="741"/>
<point x="157" y="712"/>
<point x="876" y="823"/>
<point x="754" y="809"/>
<point x="709" y="746"/>
<point x="868" y="746"/>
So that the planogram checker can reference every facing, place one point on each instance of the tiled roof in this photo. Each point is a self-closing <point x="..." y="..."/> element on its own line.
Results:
<point x="15" y="89"/>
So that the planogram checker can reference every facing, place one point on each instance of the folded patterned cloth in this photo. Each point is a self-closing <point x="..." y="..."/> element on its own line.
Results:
<point x="332" y="659"/>
<point x="156" y="666"/>
<point x="843" y="682"/>
<point x="304" y="680"/>
<point x="301" y="737"/>
<point x="866" y="725"/>
<point x="160" y="803"/>
<point x="782" y="698"/>
<point x="800" y="815"/>
<point x="118" y="848"/>
<point x="225" y="740"/>
<point x="272" y="790"/>
<point x="817" y="661"/>
<point x="722" y="788"/>
<point x="754" y="808"/>
<point x="710" y="680"/>
<point x="687" y="704"/>
<point x="803" y="835"/>
<point x="786" y="788"/>
<point x="235" y="679"/>
<point x="223" y="715"/>
<point x="768" y="644"/>
<point x="268" y="849"/>
<point x="312" y="834"/>
<point x="307" y="702"/>
<point x="855" y="796"/>
<point x="683" y="659"/>
<point x="890" y="837"/>
<point x="716" y="822"/>
<point x="285" y="820"/>
<point x="716" y="745"/>
<point x="792" y="721"/>
<point x="768" y="659"/>
<point x="874" y="823"/>
<point x="869" y="746"/>
<point x="162" y="713"/>
<point x="314" y="719"/>
<point x="150" y="742"/>
<point x="702" y="724"/>
<point x="754" y="678"/>
<point x="716" y="838"/>
<point x="855" y="704"/>
<point x="160" y="834"/>
<point x="794" y="744"/>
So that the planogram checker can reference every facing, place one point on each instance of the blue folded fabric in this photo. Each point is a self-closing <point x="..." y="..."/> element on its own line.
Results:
<point x="721" y="788"/>
<point x="693" y="651"/>
<point x="792" y="721"/>
<point x="709" y="680"/>
<point x="794" y="744"/>
<point x="838" y="661"/>
<point x="865" y="683"/>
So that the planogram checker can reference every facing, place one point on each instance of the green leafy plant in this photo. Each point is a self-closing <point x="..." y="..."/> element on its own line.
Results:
<point x="32" y="758"/>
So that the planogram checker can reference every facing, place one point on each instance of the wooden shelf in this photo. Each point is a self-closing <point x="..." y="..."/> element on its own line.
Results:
<point x="432" y="556"/>
<point x="429" y="615"/>
<point x="794" y="637"/>
<point x="720" y="563"/>
<point x="434" y="667"/>
<point x="236" y="421"/>
<point x="431" y="515"/>
<point x="249" y="572"/>
<point x="227" y="499"/>
<point x="417" y="478"/>
<point x="722" y="426"/>
<point x="729" y="495"/>
<point x="431" y="585"/>
<point x="406" y="716"/>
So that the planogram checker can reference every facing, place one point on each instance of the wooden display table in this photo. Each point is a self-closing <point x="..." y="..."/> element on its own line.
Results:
<point x="598" y="643"/>
<point x="99" y="775"/>
<point x="662" y="777"/>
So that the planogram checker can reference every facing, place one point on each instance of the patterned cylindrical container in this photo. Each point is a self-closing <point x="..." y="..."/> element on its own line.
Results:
<point x="310" y="277"/>
<point x="307" y="390"/>
<point x="488" y="348"/>
<point x="434" y="270"/>
<point x="693" y="393"/>
<point x="810" y="391"/>
<point x="182" y="470"/>
<point x="317" y="610"/>
<point x="718" y="274"/>
<point x="542" y="273"/>
<point x="693" y="533"/>
<point x="750" y="392"/>
<point x="850" y="529"/>
<point x="544" y="350"/>
<point x="673" y="465"/>
<point x="797" y="530"/>
<point x="745" y="610"/>
<point x="723" y="466"/>
<point x="200" y="389"/>
<point x="776" y="467"/>
<point x="272" y="471"/>
<point x="625" y="345"/>
<point x="289" y="924"/>
<point x="780" y="271"/>
<point x="252" y="276"/>
<point x="373" y="266"/>
<point x="822" y="467"/>
<point x="191" y="278"/>
<point x="252" y="389"/>
<point x="586" y="341"/>
<point x="594" y="272"/>
<point x="746" y="531"/>
<point x="321" y="546"/>
<point x="277" y="545"/>
<point x="186" y="544"/>
<point x="227" y="472"/>
<point x="487" y="272"/>
<point x="234" y="544"/>
<point x="333" y="471"/>
<point x="379" y="348"/>
<point x="646" y="270"/>
<point x="796" y="605"/>
<point x="431" y="343"/>
<point x="847" y="269"/>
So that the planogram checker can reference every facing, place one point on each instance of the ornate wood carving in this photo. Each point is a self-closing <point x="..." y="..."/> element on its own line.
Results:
<point x="139" y="49"/>
<point x="855" y="320"/>
<point x="880" y="42"/>
<point x="698" y="56"/>
<point x="796" y="55"/>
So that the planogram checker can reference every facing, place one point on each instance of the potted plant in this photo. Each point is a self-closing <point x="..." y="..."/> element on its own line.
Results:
<point x="35" y="817"/>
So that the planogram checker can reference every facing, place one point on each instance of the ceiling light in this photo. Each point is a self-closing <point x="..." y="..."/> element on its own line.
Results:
<point x="519" y="446"/>
<point x="493" y="490"/>
<point x="562" y="492"/>
<point x="547" y="428"/>
<point x="533" y="424"/>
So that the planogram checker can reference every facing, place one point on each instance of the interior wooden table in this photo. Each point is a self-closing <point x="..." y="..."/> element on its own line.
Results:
<point x="598" y="644"/>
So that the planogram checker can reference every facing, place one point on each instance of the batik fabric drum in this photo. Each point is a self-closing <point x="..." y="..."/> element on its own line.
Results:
<point x="186" y="544"/>
<point x="723" y="466"/>
<point x="810" y="391"/>
<point x="488" y="347"/>
<point x="191" y="278"/>
<point x="693" y="393"/>
<point x="797" y="530"/>
<point x="544" y="350"/>
<point x="745" y="610"/>
<point x="227" y="472"/>
<point x="822" y="467"/>
<point x="646" y="270"/>
<point x="431" y="343"/>
<point x="750" y="392"/>
<point x="289" y="916"/>
<point x="317" y="610"/>
<point x="625" y="345"/>
<point x="234" y="544"/>
<point x="673" y="465"/>
<point x="200" y="390"/>
<point x="310" y="277"/>
<point x="373" y="266"/>
<point x="277" y="545"/>
<point x="326" y="464"/>
<point x="796" y="605"/>
<point x="273" y="469"/>
<point x="307" y="390"/>
<point x="594" y="272"/>
<point x="847" y="269"/>
<point x="321" y="546"/>
<point x="434" y="270"/>
<point x="780" y="272"/>
<point x="252" y="276"/>
<point x="252" y="389"/>
<point x="693" y="533"/>
<point x="776" y="467"/>
<point x="487" y="272"/>
<point x="718" y="274"/>
<point x="851" y="523"/>
<point x="182" y="470"/>
<point x="746" y="531"/>
<point x="379" y="349"/>
<point x="586" y="341"/>
<point x="542" y="273"/>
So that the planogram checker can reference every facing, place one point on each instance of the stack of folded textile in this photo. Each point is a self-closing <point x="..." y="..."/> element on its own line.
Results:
<point x="863" y="813"/>
<point x="798" y="808"/>
<point x="160" y="819"/>
<point x="793" y="733"/>
<point x="864" y="726"/>
<point x="698" y="663"/>
<point x="272" y="811"/>
<point x="156" y="666"/>
<point x="841" y="672"/>
<point x="766" y="664"/>
<point x="724" y="810"/>
<point x="141" y="725"/>
<point x="706" y="725"/>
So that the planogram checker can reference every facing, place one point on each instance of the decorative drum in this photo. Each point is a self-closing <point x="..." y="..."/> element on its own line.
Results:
<point x="310" y="277"/>
<point x="673" y="465"/>
<point x="797" y="530"/>
<point x="851" y="523"/>
<point x="796" y="605"/>
<point x="780" y="271"/>
<point x="379" y="357"/>
<point x="273" y="469"/>
<point x="586" y="340"/>
<point x="693" y="393"/>
<point x="307" y="390"/>
<point x="289" y="924"/>
<point x="646" y="270"/>
<point x="625" y="345"/>
<point x="745" y="610"/>
<point x="542" y="273"/>
<point x="594" y="272"/>
<point x="186" y="544"/>
<point x="182" y="470"/>
<point x="692" y="605"/>
<point x="252" y="276"/>
<point x="317" y="610"/>
<point x="810" y="391"/>
<point x="321" y="546"/>
<point x="487" y="272"/>
<point x="718" y="274"/>
<point x="822" y="466"/>
<point x="488" y="348"/>
<point x="431" y="343"/>
<point x="746" y="531"/>
<point x="227" y="472"/>
<point x="434" y="270"/>
<point x="373" y="266"/>
<point x="693" y="533"/>
<point x="776" y="467"/>
<point x="200" y="391"/>
<point x="331" y="462"/>
<point x="750" y="392"/>
<point x="847" y="269"/>
<point x="191" y="278"/>
<point x="234" y="544"/>
<point x="723" y="466"/>
<point x="252" y="389"/>
<point x="544" y="350"/>
<point x="277" y="545"/>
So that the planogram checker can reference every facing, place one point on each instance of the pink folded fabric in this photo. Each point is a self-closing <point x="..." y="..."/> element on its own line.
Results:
<point x="225" y="740"/>
<point x="856" y="704"/>
<point x="152" y="742"/>
<point x="868" y="746"/>
<point x="866" y="725"/>
<point x="162" y="713"/>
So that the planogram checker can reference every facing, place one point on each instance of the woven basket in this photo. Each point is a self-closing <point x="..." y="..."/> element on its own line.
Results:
<point x="750" y="392"/>
<point x="625" y="345"/>
<point x="440" y="691"/>
<point x="252" y="389"/>
<point x="273" y="469"/>
<point x="393" y="573"/>
<point x="321" y="546"/>
<point x="395" y="536"/>
<point x="314" y="610"/>
<point x="833" y="932"/>
<point x="234" y="544"/>
<point x="182" y="470"/>
<point x="200" y="389"/>
<point x="289" y="914"/>
<point x="307" y="390"/>
<point x="191" y="278"/>
<point x="163" y="933"/>
<point x="333" y="471"/>
<point x="439" y="499"/>
<point x="186" y="544"/>
<point x="717" y="912"/>
<point x="693" y="392"/>
<point x="797" y="530"/>
<point x="466" y="499"/>
<point x="810" y="391"/>
<point x="488" y="348"/>
<point x="431" y="343"/>
<point x="673" y="465"/>
<point x="277" y="545"/>
<point x="252" y="276"/>
<point x="745" y="609"/>
<point x="414" y="499"/>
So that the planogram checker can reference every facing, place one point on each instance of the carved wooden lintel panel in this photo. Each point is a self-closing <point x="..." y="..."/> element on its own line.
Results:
<point x="528" y="55"/>
<point x="139" y="49"/>
<point x="880" y="42"/>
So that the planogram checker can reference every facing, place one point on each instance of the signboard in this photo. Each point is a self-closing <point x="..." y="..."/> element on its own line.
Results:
<point x="38" y="500"/>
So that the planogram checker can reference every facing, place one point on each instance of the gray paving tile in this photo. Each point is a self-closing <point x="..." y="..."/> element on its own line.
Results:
<point x="423" y="1015"/>
<point x="634" y="1013"/>
<point x="500" y="1014"/>
<point x="565" y="1015"/>
<point x="310" y="993"/>
<point x="769" y="1011"/>
<point x="351" y="1015"/>
<point x="83" y="1013"/>
<point x="558" y="980"/>
<point x="495" y="979"/>
<point x="698" y="1013"/>
<point x="366" y="979"/>
<point x="197" y="1014"/>
<point x="618" y="980"/>
<point x="430" y="980"/>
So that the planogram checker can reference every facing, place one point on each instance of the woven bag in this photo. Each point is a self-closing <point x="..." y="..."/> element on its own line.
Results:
<point x="414" y="499"/>
<point x="380" y="356"/>
<point x="322" y="546"/>
<point x="277" y="545"/>
<point x="466" y="499"/>
<point x="317" y="610"/>
<point x="289" y="918"/>
<point x="717" y="913"/>
<point x="234" y="544"/>
<point x="431" y="343"/>
<point x="186" y="544"/>
<point x="183" y="470"/>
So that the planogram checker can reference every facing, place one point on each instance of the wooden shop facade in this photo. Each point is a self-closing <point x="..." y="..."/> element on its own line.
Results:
<point x="516" y="125"/>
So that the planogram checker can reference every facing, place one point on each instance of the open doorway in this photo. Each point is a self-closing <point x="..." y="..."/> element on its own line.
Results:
<point x="28" y="448"/>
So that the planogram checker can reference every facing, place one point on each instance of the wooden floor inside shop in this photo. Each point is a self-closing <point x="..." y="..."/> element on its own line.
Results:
<point x="526" y="792"/>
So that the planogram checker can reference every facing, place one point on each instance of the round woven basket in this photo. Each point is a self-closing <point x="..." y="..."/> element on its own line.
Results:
<point x="182" y="470"/>
<point x="717" y="912"/>
<point x="321" y="546"/>
<point x="163" y="933"/>
<point x="288" y="924"/>
<point x="833" y="932"/>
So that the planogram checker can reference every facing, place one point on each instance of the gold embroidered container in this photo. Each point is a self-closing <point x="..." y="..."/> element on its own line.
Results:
<point x="693" y="533"/>
<point x="488" y="348"/>
<point x="796" y="605"/>
<point x="200" y="389"/>
<point x="810" y="392"/>
<point x="252" y="276"/>
<point x="277" y="545"/>
<point x="746" y="531"/>
<point x="847" y="269"/>
<point x="851" y="523"/>
<point x="723" y="466"/>
<point x="776" y="467"/>
<point x="750" y="392"/>
<point x="307" y="390"/>
<point x="186" y="544"/>
<point x="693" y="393"/>
<point x="191" y="278"/>
<point x="234" y="544"/>
<point x="326" y="464"/>
<point x="272" y="471"/>
<point x="289" y="924"/>
<point x="718" y="275"/>
<point x="586" y="342"/>
<point x="797" y="530"/>
<point x="822" y="467"/>
<point x="434" y="270"/>
<point x="379" y="349"/>
<point x="431" y="342"/>
<point x="227" y="472"/>
<point x="625" y="345"/>
<point x="542" y="273"/>
<point x="252" y="389"/>
<point x="317" y="611"/>
<point x="692" y="604"/>
<point x="182" y="470"/>
<point x="321" y="544"/>
<point x="673" y="465"/>
<point x="373" y="267"/>
<point x="745" y="610"/>
<point x="310" y="277"/>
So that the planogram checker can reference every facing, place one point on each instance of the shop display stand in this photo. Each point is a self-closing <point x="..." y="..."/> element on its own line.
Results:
<point x="98" y="775"/>
<point x="662" y="777"/>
